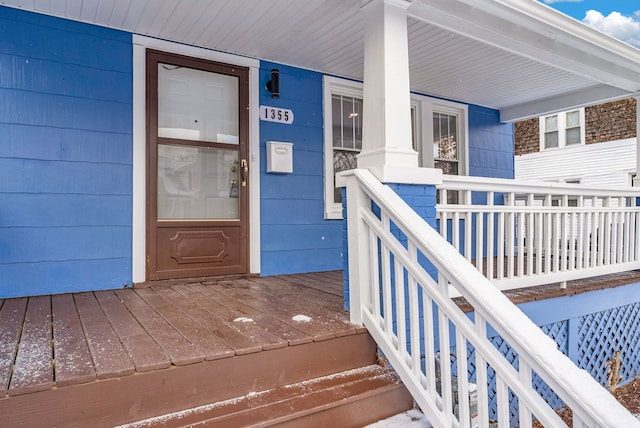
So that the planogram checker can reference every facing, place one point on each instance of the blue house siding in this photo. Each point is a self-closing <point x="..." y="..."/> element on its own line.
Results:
<point x="295" y="237"/>
<point x="65" y="155"/>
<point x="490" y="144"/>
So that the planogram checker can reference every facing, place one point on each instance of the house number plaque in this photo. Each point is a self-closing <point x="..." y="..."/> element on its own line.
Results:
<point x="275" y="114"/>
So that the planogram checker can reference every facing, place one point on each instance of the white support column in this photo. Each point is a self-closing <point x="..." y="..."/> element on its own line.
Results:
<point x="636" y="181"/>
<point x="387" y="145"/>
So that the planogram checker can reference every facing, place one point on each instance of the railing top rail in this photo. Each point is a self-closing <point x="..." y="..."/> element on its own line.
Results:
<point x="580" y="389"/>
<point x="502" y="185"/>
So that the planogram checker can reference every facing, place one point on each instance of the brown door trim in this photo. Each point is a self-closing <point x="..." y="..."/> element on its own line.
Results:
<point x="196" y="265"/>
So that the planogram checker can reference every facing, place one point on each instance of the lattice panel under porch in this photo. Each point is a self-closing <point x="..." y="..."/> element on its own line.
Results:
<point x="601" y="334"/>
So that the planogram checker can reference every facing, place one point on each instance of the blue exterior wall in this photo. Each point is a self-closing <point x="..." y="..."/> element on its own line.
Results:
<point x="66" y="161"/>
<point x="65" y="155"/>
<point x="295" y="237"/>
<point x="490" y="144"/>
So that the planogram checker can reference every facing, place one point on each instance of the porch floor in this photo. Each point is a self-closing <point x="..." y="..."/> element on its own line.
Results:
<point x="70" y="339"/>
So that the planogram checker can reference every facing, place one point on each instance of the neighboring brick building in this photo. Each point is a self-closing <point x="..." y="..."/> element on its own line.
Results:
<point x="603" y="122"/>
<point x="563" y="147"/>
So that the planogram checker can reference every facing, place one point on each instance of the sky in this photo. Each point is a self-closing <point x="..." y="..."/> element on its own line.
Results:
<point x="618" y="18"/>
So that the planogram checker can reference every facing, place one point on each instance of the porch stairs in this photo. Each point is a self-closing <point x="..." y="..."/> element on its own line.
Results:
<point x="337" y="383"/>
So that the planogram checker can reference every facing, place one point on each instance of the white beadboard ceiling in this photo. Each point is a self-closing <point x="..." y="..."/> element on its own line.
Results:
<point x="518" y="56"/>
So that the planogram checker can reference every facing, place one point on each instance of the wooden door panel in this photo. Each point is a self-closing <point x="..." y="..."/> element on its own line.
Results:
<point x="197" y="145"/>
<point x="195" y="251"/>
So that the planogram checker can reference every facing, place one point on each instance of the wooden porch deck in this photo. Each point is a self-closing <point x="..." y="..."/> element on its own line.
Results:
<point x="181" y="344"/>
<point x="70" y="339"/>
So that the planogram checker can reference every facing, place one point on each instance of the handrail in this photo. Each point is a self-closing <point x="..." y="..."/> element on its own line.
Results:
<point x="405" y="305"/>
<point x="523" y="233"/>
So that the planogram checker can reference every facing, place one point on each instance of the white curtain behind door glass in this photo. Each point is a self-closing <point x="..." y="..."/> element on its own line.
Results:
<point x="197" y="105"/>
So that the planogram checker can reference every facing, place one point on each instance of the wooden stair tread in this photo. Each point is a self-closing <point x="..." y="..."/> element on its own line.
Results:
<point x="288" y="402"/>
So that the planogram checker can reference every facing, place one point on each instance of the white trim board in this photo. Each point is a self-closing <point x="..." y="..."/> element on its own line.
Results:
<point x="140" y="45"/>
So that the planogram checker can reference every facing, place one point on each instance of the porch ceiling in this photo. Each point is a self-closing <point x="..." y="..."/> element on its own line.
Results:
<point x="518" y="56"/>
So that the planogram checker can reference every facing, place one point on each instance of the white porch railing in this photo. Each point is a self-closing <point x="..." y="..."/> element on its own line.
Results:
<point x="523" y="233"/>
<point x="400" y="271"/>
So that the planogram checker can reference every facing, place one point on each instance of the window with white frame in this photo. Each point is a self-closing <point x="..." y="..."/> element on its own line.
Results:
<point x="439" y="133"/>
<point x="562" y="129"/>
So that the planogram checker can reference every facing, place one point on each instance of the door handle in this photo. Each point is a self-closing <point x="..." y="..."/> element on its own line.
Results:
<point x="244" y="171"/>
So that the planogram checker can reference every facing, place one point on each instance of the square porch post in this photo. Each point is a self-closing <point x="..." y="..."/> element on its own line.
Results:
<point x="387" y="147"/>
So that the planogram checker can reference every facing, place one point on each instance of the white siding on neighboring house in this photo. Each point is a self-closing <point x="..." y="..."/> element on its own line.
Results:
<point x="601" y="164"/>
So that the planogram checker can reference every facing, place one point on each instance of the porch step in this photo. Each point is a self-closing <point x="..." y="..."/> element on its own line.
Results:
<point x="352" y="398"/>
<point x="336" y="365"/>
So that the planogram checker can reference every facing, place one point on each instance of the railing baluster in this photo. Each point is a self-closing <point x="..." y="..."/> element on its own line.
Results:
<point x="620" y="225"/>
<point x="580" y="235"/>
<point x="564" y="228"/>
<point x="375" y="275"/>
<point x="429" y="345"/>
<point x="490" y="237"/>
<point x="626" y="234"/>
<point x="481" y="374"/>
<point x="521" y="232"/>
<point x="455" y="230"/>
<point x="608" y="233"/>
<point x="464" y="412"/>
<point x="524" y="413"/>
<point x="414" y="324"/>
<point x="480" y="241"/>
<point x="511" y="241"/>
<point x="541" y="251"/>
<point x="468" y="221"/>
<point x="500" y="265"/>
<point x="444" y="218"/>
<point x="502" y="398"/>
<point x="445" y="367"/>
<point x="401" y="320"/>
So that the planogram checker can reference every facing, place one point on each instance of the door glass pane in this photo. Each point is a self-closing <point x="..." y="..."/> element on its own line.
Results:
<point x="197" y="183"/>
<point x="197" y="105"/>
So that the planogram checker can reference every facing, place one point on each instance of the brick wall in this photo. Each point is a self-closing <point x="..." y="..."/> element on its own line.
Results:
<point x="526" y="135"/>
<point x="611" y="121"/>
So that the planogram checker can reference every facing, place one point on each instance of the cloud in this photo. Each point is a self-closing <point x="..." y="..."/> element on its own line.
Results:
<point x="625" y="28"/>
<point x="562" y="1"/>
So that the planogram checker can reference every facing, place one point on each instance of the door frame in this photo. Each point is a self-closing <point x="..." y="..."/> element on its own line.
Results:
<point x="139" y="177"/>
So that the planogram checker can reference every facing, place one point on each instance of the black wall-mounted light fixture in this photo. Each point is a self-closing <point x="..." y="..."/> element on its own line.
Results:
<point x="273" y="85"/>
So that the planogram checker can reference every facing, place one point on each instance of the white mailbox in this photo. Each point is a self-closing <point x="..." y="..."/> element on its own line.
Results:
<point x="279" y="157"/>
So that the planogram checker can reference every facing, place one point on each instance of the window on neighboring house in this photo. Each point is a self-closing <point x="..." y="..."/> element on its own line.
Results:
<point x="439" y="134"/>
<point x="562" y="129"/>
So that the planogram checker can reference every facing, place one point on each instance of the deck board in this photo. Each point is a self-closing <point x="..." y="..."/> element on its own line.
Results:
<point x="223" y="321"/>
<point x="109" y="357"/>
<point x="12" y="316"/>
<point x="265" y="320"/>
<point x="33" y="367"/>
<point x="143" y="351"/>
<point x="284" y="308"/>
<point x="73" y="364"/>
<point x="179" y="349"/>
<point x="205" y="330"/>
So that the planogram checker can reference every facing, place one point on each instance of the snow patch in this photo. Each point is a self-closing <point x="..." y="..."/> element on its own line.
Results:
<point x="243" y="319"/>
<point x="411" y="419"/>
<point x="301" y="318"/>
